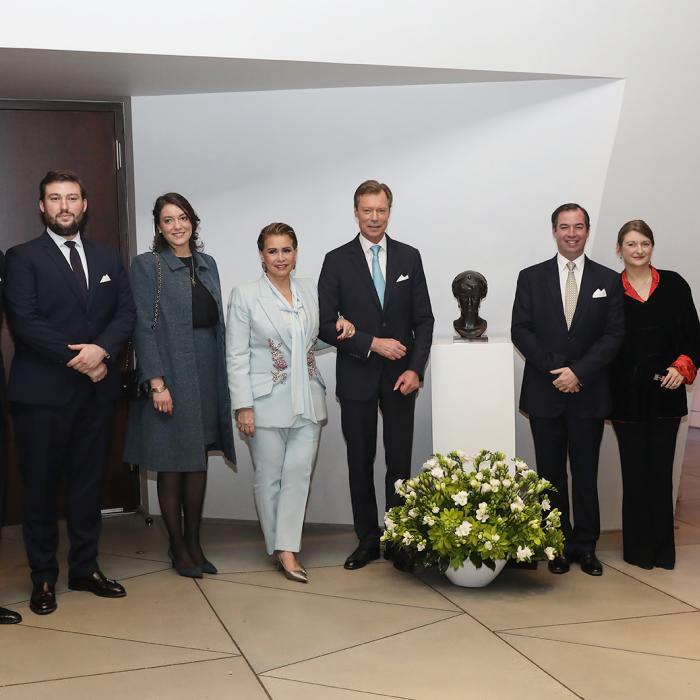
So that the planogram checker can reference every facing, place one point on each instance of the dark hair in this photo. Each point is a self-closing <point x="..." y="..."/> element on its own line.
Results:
<point x="159" y="242"/>
<point x="373" y="187"/>
<point x="60" y="176"/>
<point x="637" y="225"/>
<point x="277" y="229"/>
<point x="571" y="206"/>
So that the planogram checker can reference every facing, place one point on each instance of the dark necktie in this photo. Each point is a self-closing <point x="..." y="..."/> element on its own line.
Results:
<point x="77" y="264"/>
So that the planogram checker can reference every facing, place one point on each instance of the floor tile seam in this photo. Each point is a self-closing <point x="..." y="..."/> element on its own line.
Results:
<point x="686" y="522"/>
<point x="574" y="623"/>
<point x="235" y="643"/>
<point x="517" y="651"/>
<point x="337" y="687"/>
<point x="241" y="572"/>
<point x="602" y="646"/>
<point x="336" y="596"/>
<point x="653" y="588"/>
<point x="360" y="644"/>
<point x="111" y="673"/>
<point x="24" y="625"/>
<point x="133" y="557"/>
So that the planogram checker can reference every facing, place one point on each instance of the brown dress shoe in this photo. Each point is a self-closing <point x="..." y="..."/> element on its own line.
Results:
<point x="43" y="600"/>
<point x="98" y="584"/>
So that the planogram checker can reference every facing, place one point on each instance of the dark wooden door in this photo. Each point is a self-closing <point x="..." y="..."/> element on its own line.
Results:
<point x="87" y="138"/>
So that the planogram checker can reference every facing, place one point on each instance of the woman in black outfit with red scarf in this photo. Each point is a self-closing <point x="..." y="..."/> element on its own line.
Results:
<point x="660" y="354"/>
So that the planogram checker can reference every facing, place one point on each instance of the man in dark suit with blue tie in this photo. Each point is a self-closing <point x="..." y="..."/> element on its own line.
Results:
<point x="568" y="322"/>
<point x="70" y="309"/>
<point x="377" y="283"/>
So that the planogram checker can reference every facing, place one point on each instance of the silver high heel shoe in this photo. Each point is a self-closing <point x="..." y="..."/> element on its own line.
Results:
<point x="298" y="576"/>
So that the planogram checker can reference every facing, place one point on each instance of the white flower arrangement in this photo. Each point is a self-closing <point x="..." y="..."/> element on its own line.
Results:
<point x="474" y="507"/>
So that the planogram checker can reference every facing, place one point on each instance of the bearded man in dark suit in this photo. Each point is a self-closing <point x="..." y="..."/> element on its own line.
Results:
<point x="70" y="309"/>
<point x="378" y="283"/>
<point x="568" y="322"/>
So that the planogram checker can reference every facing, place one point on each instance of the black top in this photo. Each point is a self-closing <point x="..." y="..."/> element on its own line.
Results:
<point x="657" y="331"/>
<point x="205" y="313"/>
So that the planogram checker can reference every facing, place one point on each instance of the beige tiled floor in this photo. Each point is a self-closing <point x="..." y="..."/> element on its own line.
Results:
<point x="248" y="633"/>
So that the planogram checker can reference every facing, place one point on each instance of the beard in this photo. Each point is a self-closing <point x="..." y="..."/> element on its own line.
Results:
<point x="65" y="230"/>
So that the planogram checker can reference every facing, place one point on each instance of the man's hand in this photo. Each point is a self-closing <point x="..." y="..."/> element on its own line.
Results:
<point x="98" y="374"/>
<point x="407" y="382"/>
<point x="88" y="357"/>
<point x="388" y="347"/>
<point x="567" y="382"/>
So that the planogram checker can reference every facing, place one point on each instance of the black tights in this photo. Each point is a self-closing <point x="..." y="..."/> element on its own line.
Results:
<point x="178" y="493"/>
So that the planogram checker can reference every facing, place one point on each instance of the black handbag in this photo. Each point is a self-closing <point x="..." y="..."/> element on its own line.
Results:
<point x="131" y="387"/>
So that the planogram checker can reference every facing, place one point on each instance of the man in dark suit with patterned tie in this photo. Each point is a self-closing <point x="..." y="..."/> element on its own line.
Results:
<point x="7" y="617"/>
<point x="378" y="283"/>
<point x="70" y="309"/>
<point x="568" y="322"/>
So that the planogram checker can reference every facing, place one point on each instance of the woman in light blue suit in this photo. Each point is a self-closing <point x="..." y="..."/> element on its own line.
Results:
<point x="277" y="392"/>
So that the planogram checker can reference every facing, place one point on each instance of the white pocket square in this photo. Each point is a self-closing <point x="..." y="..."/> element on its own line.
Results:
<point x="402" y="278"/>
<point x="105" y="278"/>
<point x="599" y="293"/>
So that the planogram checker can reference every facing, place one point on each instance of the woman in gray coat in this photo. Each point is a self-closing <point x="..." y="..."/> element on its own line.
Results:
<point x="180" y="355"/>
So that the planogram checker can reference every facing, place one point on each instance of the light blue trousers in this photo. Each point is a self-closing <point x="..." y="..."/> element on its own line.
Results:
<point x="283" y="459"/>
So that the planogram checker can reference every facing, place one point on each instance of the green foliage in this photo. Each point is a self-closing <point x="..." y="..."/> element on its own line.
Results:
<point x="479" y="508"/>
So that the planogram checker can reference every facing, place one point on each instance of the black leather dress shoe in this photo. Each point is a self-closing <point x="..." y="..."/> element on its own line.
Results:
<point x="559" y="565"/>
<point x="43" y="600"/>
<point x="590" y="564"/>
<point x="98" y="584"/>
<point x="363" y="555"/>
<point x="9" y="617"/>
<point x="402" y="561"/>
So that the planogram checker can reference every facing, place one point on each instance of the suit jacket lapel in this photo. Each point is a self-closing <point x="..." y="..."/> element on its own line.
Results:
<point x="270" y="305"/>
<point x="94" y="270"/>
<point x="63" y="267"/>
<point x="360" y="262"/>
<point x="555" y="289"/>
<point x="585" y="293"/>
<point x="393" y="270"/>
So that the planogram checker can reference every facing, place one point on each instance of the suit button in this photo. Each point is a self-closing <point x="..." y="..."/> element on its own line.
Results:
<point x="383" y="324"/>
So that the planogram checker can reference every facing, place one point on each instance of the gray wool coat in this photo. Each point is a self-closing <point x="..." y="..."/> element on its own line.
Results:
<point x="154" y="440"/>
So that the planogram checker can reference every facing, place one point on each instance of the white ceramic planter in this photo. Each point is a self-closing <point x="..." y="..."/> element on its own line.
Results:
<point x="471" y="577"/>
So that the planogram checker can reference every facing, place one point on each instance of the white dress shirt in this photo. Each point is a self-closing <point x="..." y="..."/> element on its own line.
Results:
<point x="60" y="241"/>
<point x="369" y="255"/>
<point x="564" y="274"/>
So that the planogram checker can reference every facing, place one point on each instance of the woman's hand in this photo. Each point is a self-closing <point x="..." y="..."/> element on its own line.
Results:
<point x="672" y="380"/>
<point x="160" y="395"/>
<point x="245" y="421"/>
<point x="345" y="328"/>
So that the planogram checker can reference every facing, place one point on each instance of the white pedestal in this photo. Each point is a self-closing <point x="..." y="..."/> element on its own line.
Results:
<point x="473" y="396"/>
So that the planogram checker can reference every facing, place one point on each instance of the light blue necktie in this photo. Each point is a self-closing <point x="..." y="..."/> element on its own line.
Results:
<point x="377" y="276"/>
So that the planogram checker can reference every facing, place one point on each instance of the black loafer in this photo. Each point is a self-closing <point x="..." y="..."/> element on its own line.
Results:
<point x="559" y="565"/>
<point x="98" y="584"/>
<point x="363" y="555"/>
<point x="9" y="617"/>
<point x="590" y="564"/>
<point x="403" y="561"/>
<point x="43" y="600"/>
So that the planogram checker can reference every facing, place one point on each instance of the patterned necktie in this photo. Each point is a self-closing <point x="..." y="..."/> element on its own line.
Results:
<point x="570" y="294"/>
<point x="77" y="264"/>
<point x="377" y="276"/>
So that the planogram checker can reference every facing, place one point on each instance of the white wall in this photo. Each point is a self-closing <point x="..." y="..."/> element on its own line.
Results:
<point x="476" y="170"/>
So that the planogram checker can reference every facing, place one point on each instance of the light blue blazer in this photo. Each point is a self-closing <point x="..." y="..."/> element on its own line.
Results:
<point x="258" y="354"/>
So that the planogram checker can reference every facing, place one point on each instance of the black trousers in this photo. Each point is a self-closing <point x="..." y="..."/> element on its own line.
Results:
<point x="359" y="424"/>
<point x="579" y="439"/>
<point x="67" y="442"/>
<point x="647" y="449"/>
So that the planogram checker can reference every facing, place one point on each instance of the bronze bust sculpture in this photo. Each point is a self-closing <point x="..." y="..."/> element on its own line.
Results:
<point x="469" y="287"/>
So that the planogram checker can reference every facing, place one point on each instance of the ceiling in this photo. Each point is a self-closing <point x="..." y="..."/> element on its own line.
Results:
<point x="77" y="75"/>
